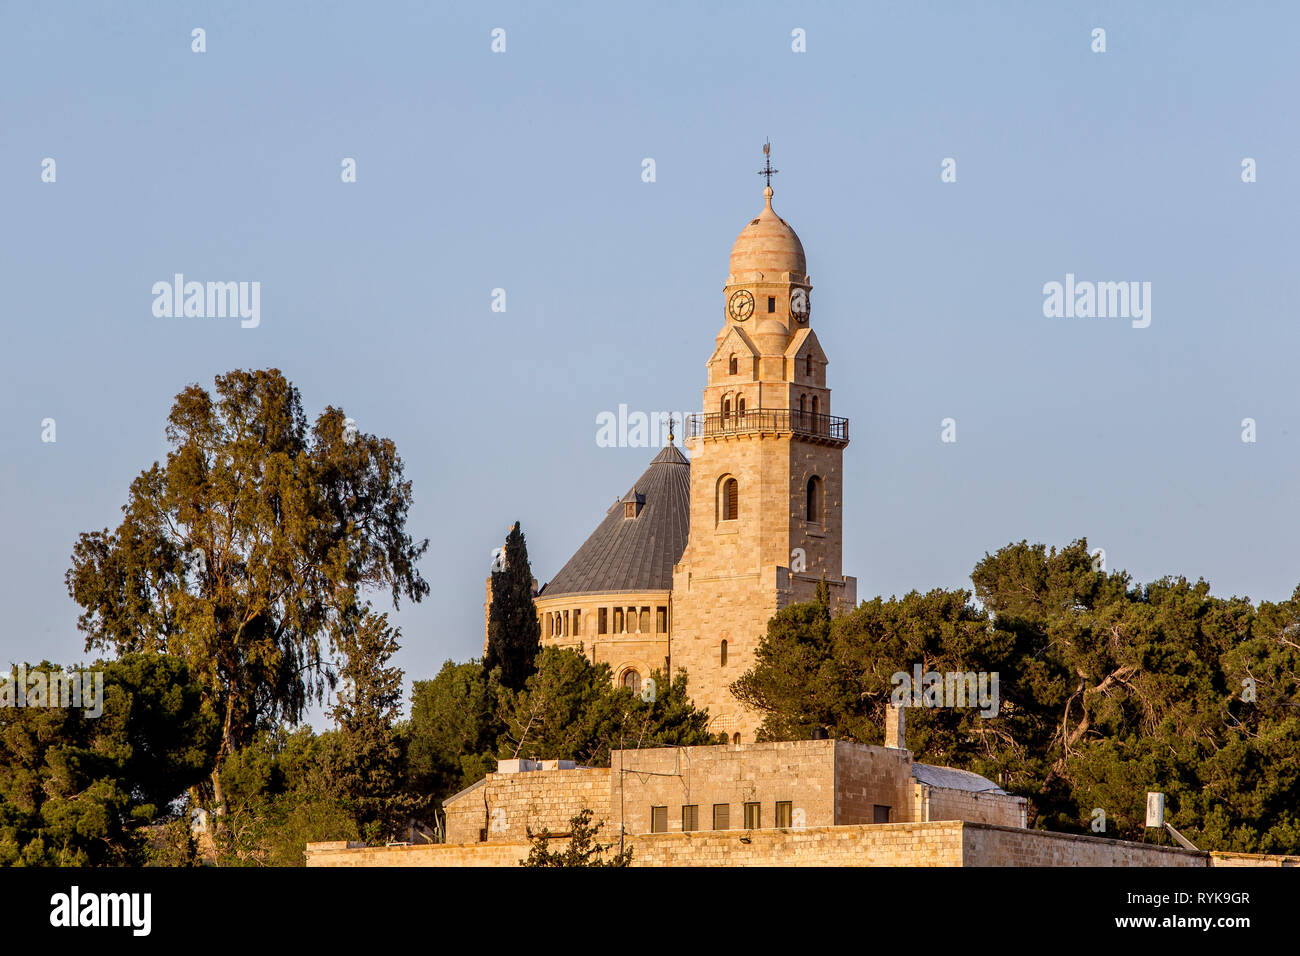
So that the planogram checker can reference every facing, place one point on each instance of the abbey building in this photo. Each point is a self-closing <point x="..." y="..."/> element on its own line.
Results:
<point x="688" y="566"/>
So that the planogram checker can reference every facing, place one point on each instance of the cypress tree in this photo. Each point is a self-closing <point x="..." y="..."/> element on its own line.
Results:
<point x="514" y="633"/>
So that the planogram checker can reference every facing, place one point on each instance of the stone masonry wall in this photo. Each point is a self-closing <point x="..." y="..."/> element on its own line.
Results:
<point x="901" y="844"/>
<point x="508" y="803"/>
<point x="867" y="776"/>
<point x="993" y="808"/>
<point x="984" y="845"/>
<point x="801" y="772"/>
<point x="946" y="843"/>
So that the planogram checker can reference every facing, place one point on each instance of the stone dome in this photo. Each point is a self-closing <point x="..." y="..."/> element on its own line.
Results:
<point x="768" y="245"/>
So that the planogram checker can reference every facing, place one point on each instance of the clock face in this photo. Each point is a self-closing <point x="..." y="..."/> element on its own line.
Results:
<point x="741" y="305"/>
<point x="799" y="305"/>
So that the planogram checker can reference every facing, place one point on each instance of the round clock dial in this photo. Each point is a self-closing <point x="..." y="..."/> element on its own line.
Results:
<point x="799" y="305"/>
<point x="741" y="305"/>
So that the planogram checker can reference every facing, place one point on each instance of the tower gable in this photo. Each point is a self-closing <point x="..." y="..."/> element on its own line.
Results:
<point x="803" y="346"/>
<point x="733" y="341"/>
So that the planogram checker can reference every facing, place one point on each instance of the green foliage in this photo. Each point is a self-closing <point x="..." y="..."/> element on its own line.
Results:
<point x="82" y="791"/>
<point x="571" y="710"/>
<point x="452" y="731"/>
<point x="514" y="634"/>
<point x="582" y="849"/>
<point x="1107" y="690"/>
<point x="243" y="551"/>
<point x="369" y="766"/>
<point x="282" y="795"/>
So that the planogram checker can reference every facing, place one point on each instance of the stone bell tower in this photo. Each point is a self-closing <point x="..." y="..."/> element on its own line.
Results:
<point x="766" y="479"/>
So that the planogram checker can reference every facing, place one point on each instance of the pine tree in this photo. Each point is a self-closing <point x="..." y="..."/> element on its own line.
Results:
<point x="369" y="771"/>
<point x="514" y="633"/>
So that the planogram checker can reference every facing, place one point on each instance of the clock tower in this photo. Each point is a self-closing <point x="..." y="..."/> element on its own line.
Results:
<point x="766" y="479"/>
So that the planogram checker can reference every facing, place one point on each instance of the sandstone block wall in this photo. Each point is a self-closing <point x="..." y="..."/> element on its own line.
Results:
<point x="801" y="772"/>
<point x="508" y="803"/>
<point x="997" y="809"/>
<point x="867" y="776"/>
<point x="1253" y="859"/>
<point x="945" y="843"/>
<point x="985" y="845"/>
<point x="434" y="854"/>
<point x="905" y="844"/>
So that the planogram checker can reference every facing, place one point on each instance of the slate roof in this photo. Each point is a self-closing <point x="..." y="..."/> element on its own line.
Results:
<point x="635" y="554"/>
<point x="953" y="779"/>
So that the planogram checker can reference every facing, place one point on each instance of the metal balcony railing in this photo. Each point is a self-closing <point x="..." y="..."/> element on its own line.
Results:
<point x="780" y="420"/>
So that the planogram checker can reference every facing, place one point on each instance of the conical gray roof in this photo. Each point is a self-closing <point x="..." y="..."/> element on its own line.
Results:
<point x="635" y="554"/>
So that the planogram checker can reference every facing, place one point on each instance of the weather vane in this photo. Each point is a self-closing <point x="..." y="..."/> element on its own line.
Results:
<point x="767" y="169"/>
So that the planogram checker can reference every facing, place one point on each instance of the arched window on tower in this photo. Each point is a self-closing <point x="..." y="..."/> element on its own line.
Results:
<point x="729" y="500"/>
<point x="815" y="502"/>
<point x="723" y="654"/>
<point x="735" y="739"/>
<point x="734" y="365"/>
<point x="632" y="680"/>
<point x="740" y="408"/>
<point x="810" y="366"/>
<point x="726" y="410"/>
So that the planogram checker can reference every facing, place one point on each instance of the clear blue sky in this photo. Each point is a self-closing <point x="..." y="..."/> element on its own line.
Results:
<point x="522" y="171"/>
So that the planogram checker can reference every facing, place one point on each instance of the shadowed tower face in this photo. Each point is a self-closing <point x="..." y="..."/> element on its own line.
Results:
<point x="766" y="483"/>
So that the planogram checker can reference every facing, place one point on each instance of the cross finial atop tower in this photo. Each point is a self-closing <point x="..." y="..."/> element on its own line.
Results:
<point x="767" y="169"/>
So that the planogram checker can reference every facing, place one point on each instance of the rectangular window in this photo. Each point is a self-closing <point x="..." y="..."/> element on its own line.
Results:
<point x="661" y="621"/>
<point x="881" y="814"/>
<point x="602" y="620"/>
<point x="618" y="620"/>
<point x="566" y="624"/>
<point x="577" y="623"/>
<point x="658" y="819"/>
<point x="784" y="813"/>
<point x="771" y="303"/>
<point x="645" y="620"/>
<point x="690" y="818"/>
<point x="547" y="619"/>
<point x="722" y="816"/>
<point x="753" y="816"/>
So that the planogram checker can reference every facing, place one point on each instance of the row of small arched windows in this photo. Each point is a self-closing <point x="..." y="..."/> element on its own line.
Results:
<point x="726" y="406"/>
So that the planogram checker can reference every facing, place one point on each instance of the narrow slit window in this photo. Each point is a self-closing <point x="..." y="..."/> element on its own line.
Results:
<point x="814" y="510"/>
